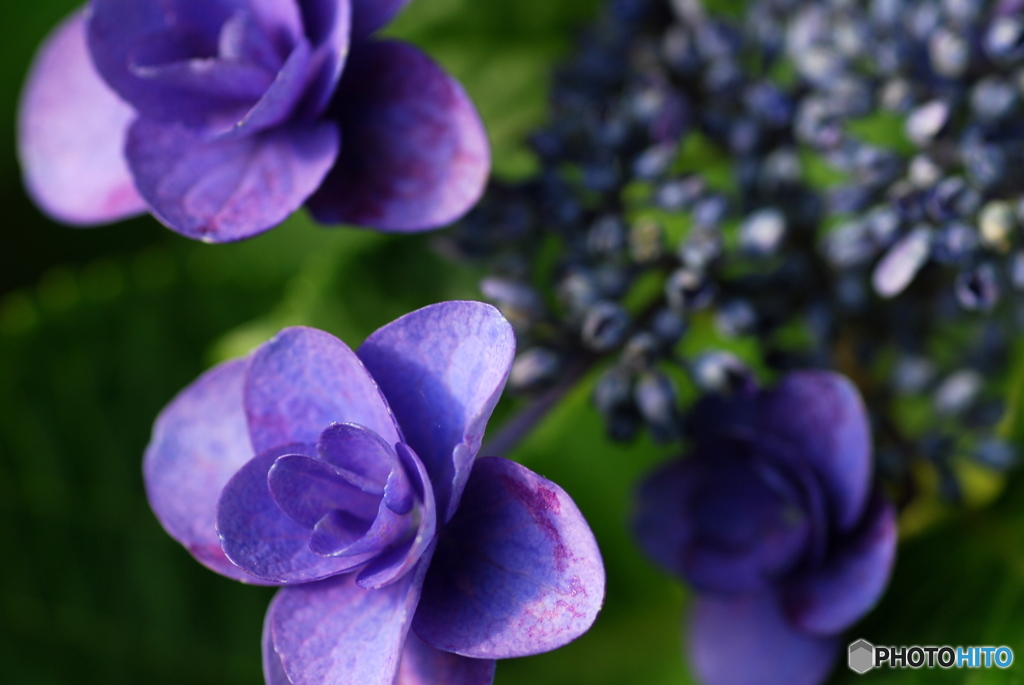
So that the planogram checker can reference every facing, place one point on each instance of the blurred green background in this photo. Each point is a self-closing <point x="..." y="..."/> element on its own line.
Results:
<point x="99" y="328"/>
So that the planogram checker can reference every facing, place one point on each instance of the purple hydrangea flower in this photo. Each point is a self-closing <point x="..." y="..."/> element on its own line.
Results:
<point x="352" y="478"/>
<point x="222" y="117"/>
<point x="774" y="521"/>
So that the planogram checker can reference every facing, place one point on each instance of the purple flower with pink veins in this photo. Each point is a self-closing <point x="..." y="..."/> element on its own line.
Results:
<point x="222" y="117"/>
<point x="352" y="479"/>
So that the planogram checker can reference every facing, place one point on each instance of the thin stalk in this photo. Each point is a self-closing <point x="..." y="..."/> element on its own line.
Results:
<point x="522" y="422"/>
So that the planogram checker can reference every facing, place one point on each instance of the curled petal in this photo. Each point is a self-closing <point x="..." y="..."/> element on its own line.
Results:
<point x="277" y="101"/>
<point x="301" y="381"/>
<point x="199" y="441"/>
<point x="124" y="35"/>
<point x="442" y="369"/>
<point x="328" y="29"/>
<point x="398" y="561"/>
<point x="746" y="640"/>
<point x="423" y="665"/>
<point x="516" y="572"/>
<point x="725" y="523"/>
<point x="833" y="596"/>
<point x="307" y="489"/>
<point x="359" y="451"/>
<point x="71" y="131"/>
<point x="822" y="416"/>
<point x="257" y="536"/>
<point x="228" y="189"/>
<point x="397" y="540"/>
<point x="415" y="155"/>
<point x="336" y="632"/>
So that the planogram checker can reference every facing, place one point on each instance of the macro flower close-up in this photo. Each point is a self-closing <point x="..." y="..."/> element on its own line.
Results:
<point x="774" y="520"/>
<point x="353" y="479"/>
<point x="222" y="117"/>
<point x="653" y="342"/>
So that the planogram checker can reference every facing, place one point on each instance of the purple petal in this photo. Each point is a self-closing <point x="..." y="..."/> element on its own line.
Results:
<point x="442" y="369"/>
<point x="301" y="381"/>
<point x="260" y="538"/>
<point x="370" y="15"/>
<point x="273" y="669"/>
<point x="211" y="76"/>
<point x="723" y="520"/>
<point x="517" y="570"/>
<point x="71" y="130"/>
<point x="281" y="22"/>
<point x="336" y="632"/>
<point x="415" y="156"/>
<point x="225" y="190"/>
<point x="277" y="101"/>
<point x="822" y="416"/>
<point x="126" y="34"/>
<point x="338" y="532"/>
<point x="307" y="489"/>
<point x="360" y="451"/>
<point x="829" y="599"/>
<point x="328" y="25"/>
<point x="746" y="640"/>
<point x="423" y="665"/>
<point x="199" y="441"/>
<point x="663" y="525"/>
<point x="399" y="539"/>
<point x="398" y="561"/>
<point x="243" y="39"/>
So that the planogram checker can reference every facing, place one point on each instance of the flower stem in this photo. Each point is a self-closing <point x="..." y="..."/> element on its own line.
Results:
<point x="522" y="422"/>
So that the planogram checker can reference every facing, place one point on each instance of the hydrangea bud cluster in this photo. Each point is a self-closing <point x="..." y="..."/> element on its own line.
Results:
<point x="836" y="181"/>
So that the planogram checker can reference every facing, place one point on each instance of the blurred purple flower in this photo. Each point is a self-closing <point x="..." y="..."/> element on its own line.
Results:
<point x="774" y="522"/>
<point x="222" y="117"/>
<point x="365" y="497"/>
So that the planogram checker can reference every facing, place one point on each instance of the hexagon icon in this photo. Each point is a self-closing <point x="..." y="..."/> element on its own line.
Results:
<point x="861" y="656"/>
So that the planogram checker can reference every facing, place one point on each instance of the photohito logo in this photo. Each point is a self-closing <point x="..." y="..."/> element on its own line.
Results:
<point x="862" y="656"/>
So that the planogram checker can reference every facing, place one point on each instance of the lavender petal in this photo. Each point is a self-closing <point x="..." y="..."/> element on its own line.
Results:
<point x="225" y="190"/>
<point x="517" y="571"/>
<point x="423" y="665"/>
<point x="396" y="562"/>
<point x="273" y="669"/>
<point x="415" y="155"/>
<point x="303" y="380"/>
<point x="442" y="369"/>
<point x="336" y="632"/>
<point x="306" y="489"/>
<point x="821" y="414"/>
<point x="71" y="130"/>
<point x="328" y="28"/>
<point x="278" y="100"/>
<point x="663" y="526"/>
<point x="257" y="536"/>
<point x="125" y="35"/>
<point x="746" y="640"/>
<point x="832" y="597"/>
<point x="359" y="451"/>
<point x="199" y="441"/>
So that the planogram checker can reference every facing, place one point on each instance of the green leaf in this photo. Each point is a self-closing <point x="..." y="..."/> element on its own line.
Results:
<point x="884" y="129"/>
<point x="961" y="583"/>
